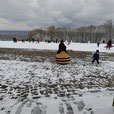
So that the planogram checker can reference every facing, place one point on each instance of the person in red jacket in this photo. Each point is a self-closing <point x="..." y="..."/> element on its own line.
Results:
<point x="109" y="44"/>
<point x="38" y="40"/>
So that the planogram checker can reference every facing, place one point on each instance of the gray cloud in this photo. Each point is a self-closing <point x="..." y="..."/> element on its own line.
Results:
<point x="29" y="14"/>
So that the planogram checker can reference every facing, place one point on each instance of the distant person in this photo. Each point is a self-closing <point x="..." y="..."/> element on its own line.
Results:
<point x="38" y="40"/>
<point x="96" y="57"/>
<point x="98" y="44"/>
<point x="109" y="44"/>
<point x="56" y="41"/>
<point x="62" y="47"/>
<point x="69" y="42"/>
<point x="33" y="40"/>
<point x="14" y="39"/>
<point x="82" y="41"/>
<point x="103" y="41"/>
<point x="23" y="40"/>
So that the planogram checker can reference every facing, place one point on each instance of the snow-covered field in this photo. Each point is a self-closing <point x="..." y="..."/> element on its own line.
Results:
<point x="48" y="88"/>
<point x="54" y="46"/>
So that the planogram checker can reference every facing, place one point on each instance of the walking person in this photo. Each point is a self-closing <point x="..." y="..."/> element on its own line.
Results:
<point x="96" y="57"/>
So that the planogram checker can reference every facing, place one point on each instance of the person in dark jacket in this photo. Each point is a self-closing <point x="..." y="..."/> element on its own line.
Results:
<point x="109" y="44"/>
<point x="14" y="39"/>
<point x="96" y="57"/>
<point x="98" y="44"/>
<point x="62" y="47"/>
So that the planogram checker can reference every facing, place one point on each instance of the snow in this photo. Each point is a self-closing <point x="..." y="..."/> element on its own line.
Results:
<point x="18" y="78"/>
<point x="54" y="46"/>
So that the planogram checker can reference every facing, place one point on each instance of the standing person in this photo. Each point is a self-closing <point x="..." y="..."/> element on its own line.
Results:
<point x="98" y="44"/>
<point x="96" y="57"/>
<point x="62" y="47"/>
<point x="56" y="40"/>
<point x="38" y="40"/>
<point x="33" y="40"/>
<point x="14" y="39"/>
<point x="109" y="44"/>
<point x="103" y="41"/>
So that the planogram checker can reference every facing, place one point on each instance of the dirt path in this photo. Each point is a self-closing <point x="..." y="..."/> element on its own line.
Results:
<point x="32" y="55"/>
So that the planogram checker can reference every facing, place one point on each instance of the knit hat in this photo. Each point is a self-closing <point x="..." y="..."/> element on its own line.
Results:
<point x="97" y="50"/>
<point x="62" y="41"/>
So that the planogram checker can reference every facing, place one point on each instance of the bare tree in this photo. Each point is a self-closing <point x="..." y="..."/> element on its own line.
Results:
<point x="91" y="29"/>
<point x="90" y="33"/>
<point x="82" y="31"/>
<point x="108" y="28"/>
<point x="51" y="31"/>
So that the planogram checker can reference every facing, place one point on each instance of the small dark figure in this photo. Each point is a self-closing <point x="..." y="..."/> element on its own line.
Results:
<point x="56" y="41"/>
<point x="103" y="41"/>
<point x="82" y="41"/>
<point x="14" y="39"/>
<point x="98" y="44"/>
<point x="38" y="40"/>
<point x="62" y="47"/>
<point x="48" y="41"/>
<point x="109" y="44"/>
<point x="33" y="40"/>
<point x="23" y="41"/>
<point x="96" y="57"/>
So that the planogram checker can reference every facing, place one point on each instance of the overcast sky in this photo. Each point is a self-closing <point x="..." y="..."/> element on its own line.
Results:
<point x="29" y="14"/>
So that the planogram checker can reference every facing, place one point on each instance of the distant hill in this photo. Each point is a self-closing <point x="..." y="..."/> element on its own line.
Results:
<point x="8" y="35"/>
<point x="14" y="32"/>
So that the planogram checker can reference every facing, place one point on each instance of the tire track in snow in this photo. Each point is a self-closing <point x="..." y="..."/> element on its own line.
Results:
<point x="61" y="109"/>
<point x="39" y="110"/>
<point x="19" y="109"/>
<point x="69" y="109"/>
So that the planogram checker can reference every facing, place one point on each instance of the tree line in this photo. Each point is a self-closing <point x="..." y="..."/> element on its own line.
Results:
<point x="90" y="33"/>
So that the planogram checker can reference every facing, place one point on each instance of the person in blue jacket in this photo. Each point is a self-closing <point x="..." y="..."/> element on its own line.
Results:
<point x="96" y="57"/>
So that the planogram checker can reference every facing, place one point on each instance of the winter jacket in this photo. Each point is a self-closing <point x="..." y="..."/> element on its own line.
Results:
<point x="96" y="56"/>
<point x="109" y="43"/>
<point x="62" y="47"/>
